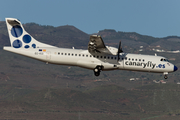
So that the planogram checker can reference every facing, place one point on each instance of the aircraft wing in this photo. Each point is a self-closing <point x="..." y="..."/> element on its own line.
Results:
<point x="96" y="45"/>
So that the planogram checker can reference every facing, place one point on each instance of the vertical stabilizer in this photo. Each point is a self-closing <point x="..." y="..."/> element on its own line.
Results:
<point x="19" y="38"/>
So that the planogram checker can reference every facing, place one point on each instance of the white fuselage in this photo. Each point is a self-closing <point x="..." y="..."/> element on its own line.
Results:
<point x="84" y="59"/>
<point x="98" y="57"/>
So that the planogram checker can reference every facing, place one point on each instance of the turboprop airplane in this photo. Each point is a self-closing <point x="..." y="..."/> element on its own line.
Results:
<point x="98" y="57"/>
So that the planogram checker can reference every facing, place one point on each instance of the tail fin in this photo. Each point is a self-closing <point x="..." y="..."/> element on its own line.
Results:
<point x="19" y="38"/>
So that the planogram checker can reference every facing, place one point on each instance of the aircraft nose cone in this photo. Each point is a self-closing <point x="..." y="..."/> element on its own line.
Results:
<point x="175" y="68"/>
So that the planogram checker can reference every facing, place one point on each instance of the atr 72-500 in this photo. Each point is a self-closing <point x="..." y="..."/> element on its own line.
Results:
<point x="97" y="57"/>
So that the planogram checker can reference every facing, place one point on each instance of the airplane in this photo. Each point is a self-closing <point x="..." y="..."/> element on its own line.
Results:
<point x="97" y="57"/>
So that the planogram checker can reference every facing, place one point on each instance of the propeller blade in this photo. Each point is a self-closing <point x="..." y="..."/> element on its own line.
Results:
<point x="119" y="50"/>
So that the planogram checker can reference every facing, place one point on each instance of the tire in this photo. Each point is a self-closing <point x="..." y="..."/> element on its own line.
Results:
<point x="96" y="70"/>
<point x="96" y="73"/>
<point x="165" y="76"/>
<point x="99" y="67"/>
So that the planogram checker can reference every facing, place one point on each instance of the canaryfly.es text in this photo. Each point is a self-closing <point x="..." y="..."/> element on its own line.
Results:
<point x="144" y="65"/>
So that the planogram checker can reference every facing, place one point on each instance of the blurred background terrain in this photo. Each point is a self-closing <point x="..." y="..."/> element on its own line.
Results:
<point x="30" y="89"/>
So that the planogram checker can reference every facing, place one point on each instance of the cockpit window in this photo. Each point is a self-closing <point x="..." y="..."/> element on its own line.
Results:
<point x="162" y="59"/>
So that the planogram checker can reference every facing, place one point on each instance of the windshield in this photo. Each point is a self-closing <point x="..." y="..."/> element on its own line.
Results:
<point x="163" y="59"/>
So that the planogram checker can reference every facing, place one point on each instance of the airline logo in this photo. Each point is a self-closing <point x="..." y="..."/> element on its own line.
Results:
<point x="25" y="41"/>
<point x="144" y="65"/>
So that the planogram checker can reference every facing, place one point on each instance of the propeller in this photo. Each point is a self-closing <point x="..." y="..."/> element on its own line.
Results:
<point x="119" y="50"/>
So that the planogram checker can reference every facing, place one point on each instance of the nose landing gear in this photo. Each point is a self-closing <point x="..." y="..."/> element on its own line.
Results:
<point x="165" y="75"/>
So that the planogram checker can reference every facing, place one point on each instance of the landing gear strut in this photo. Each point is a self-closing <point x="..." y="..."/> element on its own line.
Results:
<point x="97" y="70"/>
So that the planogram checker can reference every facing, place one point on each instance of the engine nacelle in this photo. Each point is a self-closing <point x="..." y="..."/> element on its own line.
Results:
<point x="112" y="50"/>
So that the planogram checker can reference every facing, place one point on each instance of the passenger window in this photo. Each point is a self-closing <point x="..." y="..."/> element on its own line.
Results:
<point x="104" y="57"/>
<point x="122" y="58"/>
<point x="125" y="58"/>
<point x="94" y="56"/>
<point x="136" y="59"/>
<point x="161" y="59"/>
<point x="101" y="57"/>
<point x="65" y="53"/>
<point x="83" y="55"/>
<point x="111" y="57"/>
<point x="68" y="53"/>
<point x="139" y="59"/>
<point x="108" y="57"/>
<point x="79" y="54"/>
<point x="61" y="53"/>
<point x="97" y="56"/>
<point x="75" y="54"/>
<point x="143" y="60"/>
<point x="129" y="58"/>
<point x="58" y="53"/>
<point x="90" y="55"/>
<point x="115" y="58"/>
<point x="132" y="59"/>
<point x="72" y="54"/>
<point x="86" y="55"/>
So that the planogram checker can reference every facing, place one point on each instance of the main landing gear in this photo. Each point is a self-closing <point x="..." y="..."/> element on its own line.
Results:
<point x="165" y="75"/>
<point x="97" y="70"/>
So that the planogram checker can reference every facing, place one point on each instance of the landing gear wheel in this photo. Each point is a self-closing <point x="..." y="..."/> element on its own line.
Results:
<point x="97" y="70"/>
<point x="96" y="73"/>
<point x="165" y="76"/>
